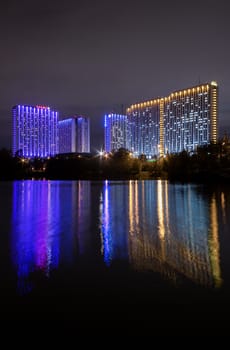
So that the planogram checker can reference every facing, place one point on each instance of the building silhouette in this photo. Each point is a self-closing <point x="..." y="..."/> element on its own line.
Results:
<point x="74" y="135"/>
<point x="34" y="131"/>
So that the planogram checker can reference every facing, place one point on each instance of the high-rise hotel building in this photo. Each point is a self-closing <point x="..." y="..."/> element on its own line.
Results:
<point x="181" y="121"/>
<point x="74" y="135"/>
<point x="115" y="132"/>
<point x="34" y="131"/>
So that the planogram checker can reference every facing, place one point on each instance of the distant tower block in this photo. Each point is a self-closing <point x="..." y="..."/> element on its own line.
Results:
<point x="34" y="131"/>
<point x="115" y="132"/>
<point x="74" y="135"/>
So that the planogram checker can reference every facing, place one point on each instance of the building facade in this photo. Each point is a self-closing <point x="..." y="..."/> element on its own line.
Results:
<point x="74" y="135"/>
<point x="34" y="131"/>
<point x="115" y="132"/>
<point x="182" y="121"/>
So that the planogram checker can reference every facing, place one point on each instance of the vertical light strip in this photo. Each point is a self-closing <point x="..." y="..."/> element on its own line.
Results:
<point x="160" y="213"/>
<point x="161" y="148"/>
<point x="214" y="108"/>
<point x="214" y="244"/>
<point x="131" y="212"/>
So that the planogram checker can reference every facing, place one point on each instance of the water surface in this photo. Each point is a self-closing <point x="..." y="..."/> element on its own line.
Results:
<point x="89" y="245"/>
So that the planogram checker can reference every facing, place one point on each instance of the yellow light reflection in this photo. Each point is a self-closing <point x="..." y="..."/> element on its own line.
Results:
<point x="214" y="244"/>
<point x="131" y="201"/>
<point x="160" y="212"/>
<point x="223" y="206"/>
<point x="136" y="204"/>
<point x="160" y="209"/>
<point x="133" y="207"/>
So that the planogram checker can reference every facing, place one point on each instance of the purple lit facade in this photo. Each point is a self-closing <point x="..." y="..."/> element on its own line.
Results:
<point x="74" y="135"/>
<point x="115" y="132"/>
<point x="34" y="131"/>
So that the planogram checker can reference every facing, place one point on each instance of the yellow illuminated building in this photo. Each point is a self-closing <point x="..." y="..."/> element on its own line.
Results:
<point x="181" y="121"/>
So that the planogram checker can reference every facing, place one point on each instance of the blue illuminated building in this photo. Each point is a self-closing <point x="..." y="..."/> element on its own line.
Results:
<point x="74" y="135"/>
<point x="115" y="132"/>
<point x="34" y="131"/>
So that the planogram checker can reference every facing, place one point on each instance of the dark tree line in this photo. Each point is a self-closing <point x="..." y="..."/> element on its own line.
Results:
<point x="208" y="163"/>
<point x="10" y="167"/>
<point x="117" y="165"/>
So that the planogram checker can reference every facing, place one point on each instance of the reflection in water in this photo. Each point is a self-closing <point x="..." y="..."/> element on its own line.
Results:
<point x="171" y="230"/>
<point x="223" y="205"/>
<point x="49" y="219"/>
<point x="161" y="213"/>
<point x="34" y="243"/>
<point x="113" y="223"/>
<point x="214" y="243"/>
<point x="104" y="211"/>
<point x="151" y="225"/>
<point x="80" y="212"/>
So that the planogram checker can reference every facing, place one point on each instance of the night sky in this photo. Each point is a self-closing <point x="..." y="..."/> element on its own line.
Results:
<point x="94" y="57"/>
